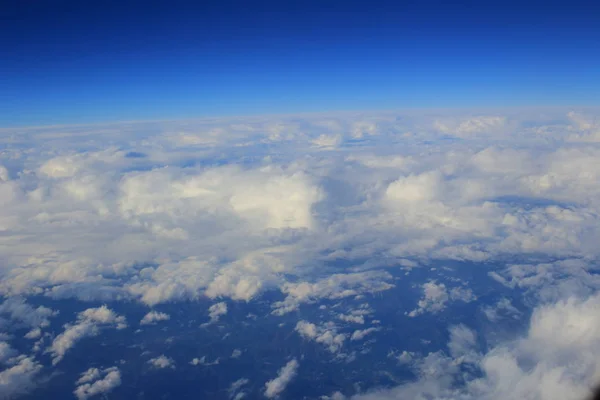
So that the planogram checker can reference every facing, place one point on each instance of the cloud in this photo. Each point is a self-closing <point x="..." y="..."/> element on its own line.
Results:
<point x="336" y="286"/>
<point x="202" y="361"/>
<point x="161" y="362"/>
<point x="325" y="334"/>
<point x="95" y="381"/>
<point x="216" y="311"/>
<point x="89" y="323"/>
<point x="470" y="126"/>
<point x="153" y="317"/>
<point x="276" y="386"/>
<point x="360" y="334"/>
<point x="18" y="375"/>
<point x="235" y="389"/>
<point x="24" y="315"/>
<point x="231" y="209"/>
<point x="556" y="359"/>
<point x="436" y="297"/>
<point x="236" y="353"/>
<point x="327" y="141"/>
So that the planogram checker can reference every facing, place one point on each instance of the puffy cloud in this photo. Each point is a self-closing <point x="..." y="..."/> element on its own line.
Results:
<point x="153" y="317"/>
<point x="360" y="334"/>
<point x="228" y="209"/>
<point x="89" y="323"/>
<point x="24" y="315"/>
<point x="327" y="141"/>
<point x="94" y="382"/>
<point x="6" y="352"/>
<point x="216" y="311"/>
<point x="336" y="286"/>
<point x="557" y="359"/>
<point x="276" y="386"/>
<point x="436" y="297"/>
<point x="470" y="126"/>
<point x="18" y="376"/>
<point x="325" y="334"/>
<point x="4" y="176"/>
<point x="161" y="362"/>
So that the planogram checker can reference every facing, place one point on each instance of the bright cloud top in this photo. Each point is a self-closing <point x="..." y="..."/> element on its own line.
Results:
<point x="313" y="218"/>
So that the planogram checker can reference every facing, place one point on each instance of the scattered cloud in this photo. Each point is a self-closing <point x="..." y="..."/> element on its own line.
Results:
<point x="360" y="334"/>
<point x="216" y="311"/>
<point x="276" y="386"/>
<point x="89" y="323"/>
<point x="325" y="334"/>
<point x="18" y="375"/>
<point x="94" y="382"/>
<point x="161" y="362"/>
<point x="436" y="297"/>
<point x="153" y="317"/>
<point x="321" y="209"/>
<point x="202" y="361"/>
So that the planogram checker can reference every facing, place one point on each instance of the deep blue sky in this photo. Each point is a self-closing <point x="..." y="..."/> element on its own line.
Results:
<point x="91" y="61"/>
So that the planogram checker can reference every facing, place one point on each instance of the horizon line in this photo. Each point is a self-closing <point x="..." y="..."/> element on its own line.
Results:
<point x="296" y="114"/>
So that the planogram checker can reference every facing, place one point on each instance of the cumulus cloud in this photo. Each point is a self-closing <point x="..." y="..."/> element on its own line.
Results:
<point x="216" y="311"/>
<point x="436" y="297"/>
<point x="336" y="286"/>
<point x="161" y="362"/>
<point x="18" y="375"/>
<point x="89" y="323"/>
<point x="327" y="141"/>
<point x="24" y="315"/>
<point x="276" y="386"/>
<point x="556" y="359"/>
<point x="325" y="334"/>
<point x="94" y="382"/>
<point x="320" y="209"/>
<point x="360" y="334"/>
<point x="153" y="317"/>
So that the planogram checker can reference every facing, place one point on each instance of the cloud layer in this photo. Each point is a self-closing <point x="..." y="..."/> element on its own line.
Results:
<point x="317" y="213"/>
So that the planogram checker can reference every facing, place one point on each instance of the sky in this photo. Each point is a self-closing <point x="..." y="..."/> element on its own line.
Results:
<point x="70" y="62"/>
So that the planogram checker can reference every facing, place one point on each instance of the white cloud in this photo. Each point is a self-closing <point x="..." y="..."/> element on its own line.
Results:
<point x="235" y="389"/>
<point x="216" y="311"/>
<point x="327" y="141"/>
<point x="202" y="361"/>
<point x="23" y="314"/>
<point x="336" y="286"/>
<point x="4" y="176"/>
<point x="470" y="126"/>
<point x="153" y="317"/>
<point x="557" y="359"/>
<point x="228" y="209"/>
<point x="436" y="297"/>
<point x="18" y="376"/>
<point x="325" y="334"/>
<point x="276" y="386"/>
<point x="360" y="334"/>
<point x="161" y="362"/>
<point x="89" y="323"/>
<point x="94" y="382"/>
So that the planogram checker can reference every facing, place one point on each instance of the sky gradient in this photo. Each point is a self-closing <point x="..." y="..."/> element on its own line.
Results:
<point x="80" y="62"/>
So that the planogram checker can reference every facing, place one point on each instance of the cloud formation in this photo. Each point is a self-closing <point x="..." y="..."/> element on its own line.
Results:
<point x="338" y="210"/>
<point x="153" y="317"/>
<point x="89" y="323"/>
<point x="276" y="386"/>
<point x="94" y="382"/>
